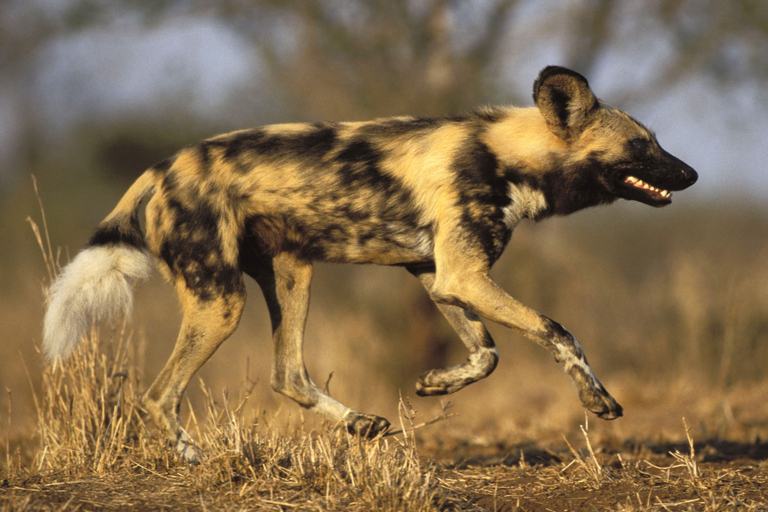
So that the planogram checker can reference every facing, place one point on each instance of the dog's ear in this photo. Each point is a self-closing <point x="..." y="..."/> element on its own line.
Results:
<point x="565" y="100"/>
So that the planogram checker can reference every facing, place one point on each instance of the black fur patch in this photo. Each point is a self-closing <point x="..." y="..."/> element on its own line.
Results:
<point x="193" y="250"/>
<point x="112" y="234"/>
<point x="569" y="190"/>
<point x="361" y="166"/>
<point x="361" y="170"/>
<point x="560" y="102"/>
<point x="489" y="115"/>
<point x="406" y="125"/>
<point x="313" y="144"/>
<point x="163" y="166"/>
<point x="559" y="335"/>
<point x="573" y="190"/>
<point x="482" y="197"/>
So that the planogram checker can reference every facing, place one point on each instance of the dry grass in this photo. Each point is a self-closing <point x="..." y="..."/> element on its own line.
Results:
<point x="94" y="450"/>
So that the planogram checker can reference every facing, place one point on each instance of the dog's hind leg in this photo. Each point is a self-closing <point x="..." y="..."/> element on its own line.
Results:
<point x="285" y="281"/>
<point x="483" y="355"/>
<point x="208" y="319"/>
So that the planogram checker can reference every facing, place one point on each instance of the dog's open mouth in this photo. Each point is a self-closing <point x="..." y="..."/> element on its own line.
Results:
<point x="655" y="193"/>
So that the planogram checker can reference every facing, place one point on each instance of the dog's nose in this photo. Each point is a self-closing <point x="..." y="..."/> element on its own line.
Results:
<point x="689" y="175"/>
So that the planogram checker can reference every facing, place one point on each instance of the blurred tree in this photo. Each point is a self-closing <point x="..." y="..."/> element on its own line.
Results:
<point x="363" y="59"/>
<point x="355" y="59"/>
<point x="725" y="40"/>
<point x="367" y="58"/>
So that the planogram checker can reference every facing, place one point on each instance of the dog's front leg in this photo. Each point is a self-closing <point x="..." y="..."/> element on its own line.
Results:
<point x="470" y="287"/>
<point x="483" y="355"/>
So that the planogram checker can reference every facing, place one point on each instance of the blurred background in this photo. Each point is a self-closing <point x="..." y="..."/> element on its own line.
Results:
<point x="671" y="305"/>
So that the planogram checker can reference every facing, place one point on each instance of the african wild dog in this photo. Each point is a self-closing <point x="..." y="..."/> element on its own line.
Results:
<point x="439" y="197"/>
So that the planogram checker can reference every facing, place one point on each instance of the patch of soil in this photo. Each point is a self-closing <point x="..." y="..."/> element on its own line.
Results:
<point x="723" y="475"/>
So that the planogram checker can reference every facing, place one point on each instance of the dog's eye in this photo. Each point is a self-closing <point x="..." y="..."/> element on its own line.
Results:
<point x="638" y="146"/>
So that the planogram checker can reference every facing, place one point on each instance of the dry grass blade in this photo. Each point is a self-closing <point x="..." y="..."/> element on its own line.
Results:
<point x="51" y="264"/>
<point x="8" y="433"/>
<point x="407" y="412"/>
<point x="688" y="460"/>
<point x="666" y="506"/>
<point x="589" y="464"/>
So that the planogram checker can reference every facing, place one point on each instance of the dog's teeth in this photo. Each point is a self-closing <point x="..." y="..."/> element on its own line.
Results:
<point x="638" y="183"/>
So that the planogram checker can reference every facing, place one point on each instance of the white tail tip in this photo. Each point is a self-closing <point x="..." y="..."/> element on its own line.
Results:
<point x="94" y="286"/>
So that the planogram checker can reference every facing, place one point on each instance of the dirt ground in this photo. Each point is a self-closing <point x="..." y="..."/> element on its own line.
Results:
<point x="632" y="475"/>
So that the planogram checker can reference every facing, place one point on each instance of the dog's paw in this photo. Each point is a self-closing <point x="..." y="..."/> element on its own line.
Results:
<point x="366" y="425"/>
<point x="604" y="406"/>
<point x="188" y="452"/>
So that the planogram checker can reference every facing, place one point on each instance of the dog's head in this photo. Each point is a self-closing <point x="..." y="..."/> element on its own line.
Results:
<point x="607" y="147"/>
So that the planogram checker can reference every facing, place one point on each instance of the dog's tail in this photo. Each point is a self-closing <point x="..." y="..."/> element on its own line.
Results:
<point x="96" y="285"/>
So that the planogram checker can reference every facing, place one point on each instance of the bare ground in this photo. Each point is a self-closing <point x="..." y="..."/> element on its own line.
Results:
<point x="632" y="476"/>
